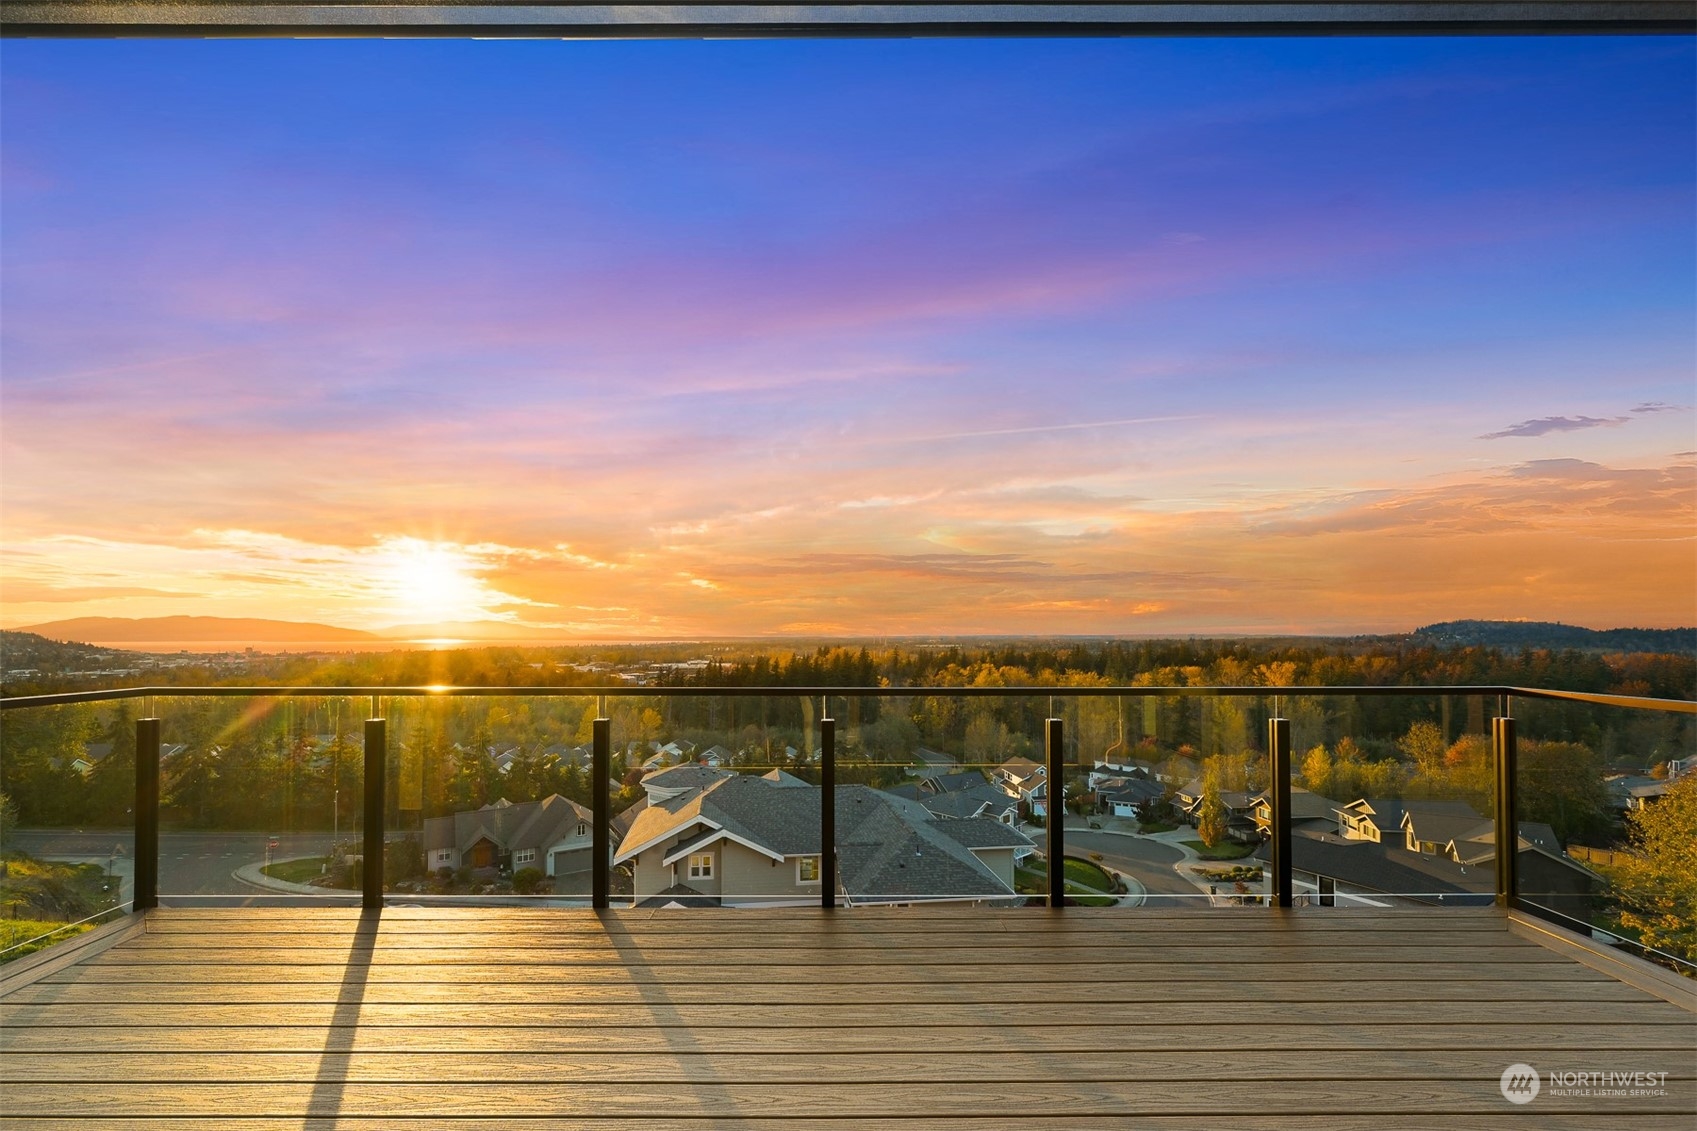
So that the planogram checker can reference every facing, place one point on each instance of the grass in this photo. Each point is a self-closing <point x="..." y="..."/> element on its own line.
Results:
<point x="1083" y="881"/>
<point x="1086" y="874"/>
<point x="1225" y="850"/>
<point x="297" y="871"/>
<point x="19" y="937"/>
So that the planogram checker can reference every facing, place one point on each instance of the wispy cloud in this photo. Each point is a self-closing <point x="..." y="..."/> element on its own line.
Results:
<point x="1660" y="406"/>
<point x="1544" y="425"/>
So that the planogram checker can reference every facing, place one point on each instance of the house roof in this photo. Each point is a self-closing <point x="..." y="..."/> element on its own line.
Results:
<point x="1305" y="805"/>
<point x="684" y="777"/>
<point x="678" y="895"/>
<point x="784" y="779"/>
<point x="1364" y="864"/>
<point x="1441" y="821"/>
<point x="532" y="824"/>
<point x="1130" y="791"/>
<point x="963" y="803"/>
<point x="887" y="847"/>
<point x="961" y="779"/>
<point x="1020" y="768"/>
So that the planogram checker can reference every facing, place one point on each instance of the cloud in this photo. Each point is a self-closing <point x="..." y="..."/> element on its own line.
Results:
<point x="1547" y="424"/>
<point x="1661" y="406"/>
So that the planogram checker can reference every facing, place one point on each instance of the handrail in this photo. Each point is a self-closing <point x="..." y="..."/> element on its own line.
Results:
<point x="148" y="752"/>
<point x="111" y="694"/>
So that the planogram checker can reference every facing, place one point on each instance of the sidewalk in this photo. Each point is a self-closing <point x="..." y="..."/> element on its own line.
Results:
<point x="253" y="875"/>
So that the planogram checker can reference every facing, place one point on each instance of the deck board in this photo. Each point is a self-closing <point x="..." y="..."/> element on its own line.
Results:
<point x="520" y="1018"/>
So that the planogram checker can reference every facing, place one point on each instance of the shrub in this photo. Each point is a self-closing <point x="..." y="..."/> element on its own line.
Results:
<point x="527" y="880"/>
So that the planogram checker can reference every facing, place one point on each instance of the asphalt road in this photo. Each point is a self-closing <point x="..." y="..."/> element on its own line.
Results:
<point x="189" y="863"/>
<point x="1147" y="861"/>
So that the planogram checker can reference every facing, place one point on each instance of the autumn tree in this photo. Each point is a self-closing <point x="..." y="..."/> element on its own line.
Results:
<point x="1657" y="885"/>
<point x="1211" y="822"/>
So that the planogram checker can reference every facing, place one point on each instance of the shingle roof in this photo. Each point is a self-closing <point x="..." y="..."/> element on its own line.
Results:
<point x="887" y="847"/>
<point x="688" y="776"/>
<point x="949" y="783"/>
<point x="531" y="824"/>
<point x="962" y="802"/>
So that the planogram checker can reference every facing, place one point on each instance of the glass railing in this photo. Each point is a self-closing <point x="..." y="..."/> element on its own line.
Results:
<point x="1149" y="798"/>
<point x="1606" y="799"/>
<point x="67" y="822"/>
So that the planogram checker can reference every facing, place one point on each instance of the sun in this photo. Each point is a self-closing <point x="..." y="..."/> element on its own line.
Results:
<point x="429" y="582"/>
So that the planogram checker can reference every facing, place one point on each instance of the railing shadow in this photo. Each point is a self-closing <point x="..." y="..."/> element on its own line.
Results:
<point x="330" y="1080"/>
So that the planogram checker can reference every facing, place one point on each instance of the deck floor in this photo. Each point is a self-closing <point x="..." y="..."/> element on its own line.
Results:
<point x="958" y="1018"/>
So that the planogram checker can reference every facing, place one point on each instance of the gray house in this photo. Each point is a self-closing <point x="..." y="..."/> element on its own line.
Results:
<point x="739" y="839"/>
<point x="552" y="835"/>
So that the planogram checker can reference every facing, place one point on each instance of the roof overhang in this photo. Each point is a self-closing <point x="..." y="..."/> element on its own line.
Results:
<point x="624" y="20"/>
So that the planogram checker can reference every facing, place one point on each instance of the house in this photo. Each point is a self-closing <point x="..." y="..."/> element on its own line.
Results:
<point x="553" y="835"/>
<point x="663" y="785"/>
<point x="949" y="782"/>
<point x="715" y="756"/>
<point x="739" y="839"/>
<point x="1239" y="806"/>
<point x="1126" y="795"/>
<point x="1371" y="819"/>
<point x="1307" y="809"/>
<point x="1387" y="872"/>
<point x="93" y="754"/>
<point x="1168" y="771"/>
<point x="1027" y="781"/>
<point x="981" y="800"/>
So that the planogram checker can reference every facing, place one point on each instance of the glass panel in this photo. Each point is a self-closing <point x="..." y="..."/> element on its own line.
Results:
<point x="488" y="799"/>
<point x="259" y="799"/>
<point x="1607" y="807"/>
<point x="67" y="829"/>
<point x="1391" y="799"/>
<point x="942" y="798"/>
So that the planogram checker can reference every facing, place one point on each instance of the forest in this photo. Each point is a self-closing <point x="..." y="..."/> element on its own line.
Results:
<point x="283" y="764"/>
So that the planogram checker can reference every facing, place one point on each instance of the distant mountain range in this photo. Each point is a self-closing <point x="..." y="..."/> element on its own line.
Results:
<point x="187" y="630"/>
<point x="248" y="630"/>
<point x="241" y="630"/>
<point x="1515" y="634"/>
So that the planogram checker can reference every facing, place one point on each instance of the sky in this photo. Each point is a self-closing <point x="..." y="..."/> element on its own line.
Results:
<point x="851" y="338"/>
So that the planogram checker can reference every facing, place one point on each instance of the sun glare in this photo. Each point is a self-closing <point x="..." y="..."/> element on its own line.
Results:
<point x="429" y="582"/>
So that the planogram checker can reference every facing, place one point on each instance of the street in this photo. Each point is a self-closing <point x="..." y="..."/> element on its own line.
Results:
<point x="1149" y="862"/>
<point x="197" y="863"/>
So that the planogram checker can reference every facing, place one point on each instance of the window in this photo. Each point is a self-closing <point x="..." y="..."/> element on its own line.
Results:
<point x="524" y="857"/>
<point x="807" y="870"/>
<point x="582" y="829"/>
<point x="701" y="866"/>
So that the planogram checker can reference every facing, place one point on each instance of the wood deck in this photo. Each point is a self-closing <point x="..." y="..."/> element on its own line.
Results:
<point x="501" y="1018"/>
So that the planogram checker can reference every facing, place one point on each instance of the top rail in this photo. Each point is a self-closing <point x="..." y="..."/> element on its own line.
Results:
<point x="110" y="694"/>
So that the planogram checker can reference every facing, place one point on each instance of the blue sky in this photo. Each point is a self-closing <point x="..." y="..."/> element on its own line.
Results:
<point x="662" y="339"/>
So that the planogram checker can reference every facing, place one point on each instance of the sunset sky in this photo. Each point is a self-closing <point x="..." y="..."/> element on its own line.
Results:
<point x="626" y="340"/>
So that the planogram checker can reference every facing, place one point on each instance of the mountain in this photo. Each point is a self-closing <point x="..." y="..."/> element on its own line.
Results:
<point x="234" y="630"/>
<point x="473" y="630"/>
<point x="1555" y="636"/>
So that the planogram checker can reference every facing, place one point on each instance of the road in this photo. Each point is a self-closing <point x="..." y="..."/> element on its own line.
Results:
<point x="189" y="863"/>
<point x="1149" y="862"/>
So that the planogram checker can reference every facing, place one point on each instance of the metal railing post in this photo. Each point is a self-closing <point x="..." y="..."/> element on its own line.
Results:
<point x="827" y="809"/>
<point x="1506" y="756"/>
<point x="376" y="757"/>
<point x="1054" y="827"/>
<point x="601" y="843"/>
<point x="1278" y="753"/>
<point x="146" y="892"/>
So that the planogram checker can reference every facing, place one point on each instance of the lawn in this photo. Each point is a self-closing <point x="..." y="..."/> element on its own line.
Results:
<point x="301" y="871"/>
<point x="30" y="935"/>
<point x="1225" y="850"/>
<point x="1082" y="880"/>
